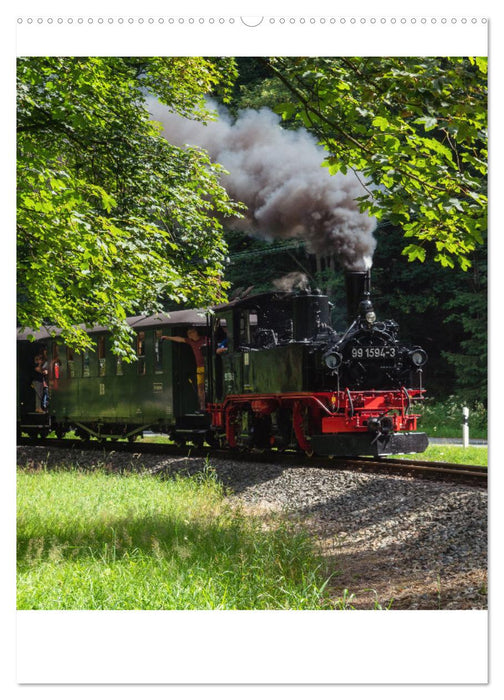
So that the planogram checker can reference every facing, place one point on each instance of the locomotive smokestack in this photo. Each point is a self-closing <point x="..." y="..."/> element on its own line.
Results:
<point x="358" y="288"/>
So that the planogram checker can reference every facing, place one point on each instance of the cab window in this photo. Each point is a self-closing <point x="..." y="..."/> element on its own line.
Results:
<point x="247" y="327"/>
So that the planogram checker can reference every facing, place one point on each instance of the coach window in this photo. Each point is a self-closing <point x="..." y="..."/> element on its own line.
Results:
<point x="86" y="372"/>
<point x="101" y="356"/>
<point x="119" y="367"/>
<point x="55" y="361"/>
<point x="141" y="352"/>
<point x="158" y="352"/>
<point x="70" y="363"/>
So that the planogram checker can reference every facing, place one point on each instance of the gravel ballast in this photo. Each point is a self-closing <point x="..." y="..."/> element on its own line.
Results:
<point x="389" y="541"/>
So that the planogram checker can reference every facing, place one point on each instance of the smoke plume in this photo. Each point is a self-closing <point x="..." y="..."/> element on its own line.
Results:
<point x="293" y="280"/>
<point x="277" y="173"/>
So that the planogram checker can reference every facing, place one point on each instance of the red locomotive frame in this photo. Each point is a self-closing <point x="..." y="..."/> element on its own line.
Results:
<point x="328" y="413"/>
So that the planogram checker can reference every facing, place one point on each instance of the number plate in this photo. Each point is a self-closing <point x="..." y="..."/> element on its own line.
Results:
<point x="376" y="352"/>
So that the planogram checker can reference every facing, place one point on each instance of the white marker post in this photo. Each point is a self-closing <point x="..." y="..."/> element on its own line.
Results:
<point x="465" y="426"/>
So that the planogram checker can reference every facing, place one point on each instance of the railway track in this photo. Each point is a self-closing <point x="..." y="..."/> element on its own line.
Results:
<point x="446" y="471"/>
<point x="449" y="471"/>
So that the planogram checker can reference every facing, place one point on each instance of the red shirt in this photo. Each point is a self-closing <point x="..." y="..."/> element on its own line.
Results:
<point x="196" y="346"/>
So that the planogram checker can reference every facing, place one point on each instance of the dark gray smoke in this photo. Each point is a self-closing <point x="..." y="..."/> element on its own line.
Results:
<point x="277" y="173"/>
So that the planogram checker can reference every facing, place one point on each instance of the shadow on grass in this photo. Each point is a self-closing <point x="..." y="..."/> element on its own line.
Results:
<point x="274" y="568"/>
<point x="116" y="537"/>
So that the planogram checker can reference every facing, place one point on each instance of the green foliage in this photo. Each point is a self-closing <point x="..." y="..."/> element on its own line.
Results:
<point x="268" y="93"/>
<point x="444" y="418"/>
<point x="111" y="217"/>
<point x="469" y="309"/>
<point x="443" y="311"/>
<point x="415" y="128"/>
<point x="255" y="87"/>
<point x="108" y="541"/>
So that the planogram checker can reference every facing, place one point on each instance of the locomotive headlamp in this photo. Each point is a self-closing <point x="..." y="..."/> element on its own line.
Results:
<point x="370" y="317"/>
<point x="418" y="357"/>
<point x="332" y="360"/>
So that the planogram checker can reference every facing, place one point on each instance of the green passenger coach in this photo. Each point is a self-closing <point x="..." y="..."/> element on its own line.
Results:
<point x="98" y="395"/>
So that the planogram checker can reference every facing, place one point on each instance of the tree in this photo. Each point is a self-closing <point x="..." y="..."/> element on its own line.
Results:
<point x="111" y="217"/>
<point x="469" y="309"/>
<point x="444" y="313"/>
<point x="415" y="131"/>
<point x="256" y="87"/>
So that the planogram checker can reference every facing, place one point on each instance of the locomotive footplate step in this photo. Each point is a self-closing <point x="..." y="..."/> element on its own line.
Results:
<point x="364" y="444"/>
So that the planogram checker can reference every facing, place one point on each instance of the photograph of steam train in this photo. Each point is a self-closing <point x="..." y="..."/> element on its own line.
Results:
<point x="249" y="256"/>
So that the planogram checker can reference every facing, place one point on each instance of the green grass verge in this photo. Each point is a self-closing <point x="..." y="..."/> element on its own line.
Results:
<point x="453" y="453"/>
<point x="92" y="540"/>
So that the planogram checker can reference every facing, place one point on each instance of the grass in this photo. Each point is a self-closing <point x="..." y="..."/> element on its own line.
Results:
<point x="159" y="439"/>
<point x="454" y="454"/>
<point x="95" y="540"/>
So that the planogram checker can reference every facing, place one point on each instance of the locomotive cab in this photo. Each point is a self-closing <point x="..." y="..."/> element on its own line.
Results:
<point x="271" y="339"/>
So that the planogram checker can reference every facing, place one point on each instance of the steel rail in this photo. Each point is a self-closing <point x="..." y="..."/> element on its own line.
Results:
<point x="442" y="470"/>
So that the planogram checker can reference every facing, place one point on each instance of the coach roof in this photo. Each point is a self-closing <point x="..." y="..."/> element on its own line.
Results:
<point x="187" y="317"/>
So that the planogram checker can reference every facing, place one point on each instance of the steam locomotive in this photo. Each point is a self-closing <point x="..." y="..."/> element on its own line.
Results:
<point x="282" y="378"/>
